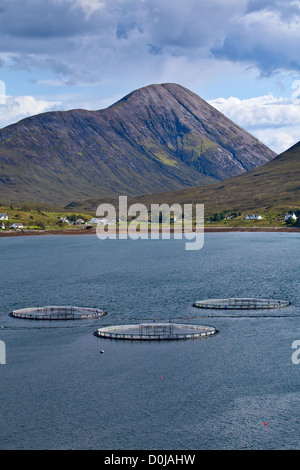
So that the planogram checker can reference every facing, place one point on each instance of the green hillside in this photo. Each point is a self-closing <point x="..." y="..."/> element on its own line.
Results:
<point x="270" y="190"/>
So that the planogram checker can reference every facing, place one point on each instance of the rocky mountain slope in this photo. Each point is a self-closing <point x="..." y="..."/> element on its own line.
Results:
<point x="157" y="138"/>
<point x="271" y="187"/>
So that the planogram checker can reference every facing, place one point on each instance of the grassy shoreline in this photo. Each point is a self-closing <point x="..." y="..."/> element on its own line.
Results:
<point x="43" y="220"/>
<point x="92" y="231"/>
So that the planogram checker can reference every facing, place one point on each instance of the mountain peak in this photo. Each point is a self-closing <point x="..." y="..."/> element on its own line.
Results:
<point x="157" y="138"/>
<point x="157" y="91"/>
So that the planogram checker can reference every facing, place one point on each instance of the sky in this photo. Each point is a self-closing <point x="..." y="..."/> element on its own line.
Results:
<point x="242" y="56"/>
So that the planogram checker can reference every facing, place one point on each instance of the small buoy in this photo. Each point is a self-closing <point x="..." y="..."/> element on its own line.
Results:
<point x="101" y="351"/>
<point x="265" y="423"/>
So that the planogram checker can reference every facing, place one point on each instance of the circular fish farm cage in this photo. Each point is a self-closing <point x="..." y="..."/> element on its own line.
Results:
<point x="159" y="331"/>
<point x="58" y="313"/>
<point x="241" y="303"/>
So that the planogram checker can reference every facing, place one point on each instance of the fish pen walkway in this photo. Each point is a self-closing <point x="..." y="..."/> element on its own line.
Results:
<point x="241" y="303"/>
<point x="156" y="331"/>
<point x="58" y="313"/>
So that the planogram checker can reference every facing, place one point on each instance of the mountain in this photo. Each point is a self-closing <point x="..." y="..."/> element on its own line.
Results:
<point x="157" y="138"/>
<point x="271" y="187"/>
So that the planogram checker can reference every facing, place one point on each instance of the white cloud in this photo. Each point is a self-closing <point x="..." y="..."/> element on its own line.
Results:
<point x="135" y="42"/>
<point x="266" y="110"/>
<point x="120" y="45"/>
<point x="88" y="6"/>
<point x="280" y="139"/>
<point x="16" y="108"/>
<point x="91" y="102"/>
<point x="267" y="37"/>
<point x="275" y="121"/>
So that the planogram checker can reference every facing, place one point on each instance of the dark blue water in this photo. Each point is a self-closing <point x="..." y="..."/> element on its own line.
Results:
<point x="58" y="392"/>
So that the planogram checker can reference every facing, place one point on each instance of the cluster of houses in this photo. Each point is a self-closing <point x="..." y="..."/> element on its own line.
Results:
<point x="66" y="221"/>
<point x="3" y="217"/>
<point x="80" y="221"/>
<point x="290" y="216"/>
<point x="16" y="225"/>
<point x="95" y="220"/>
<point x="102" y="221"/>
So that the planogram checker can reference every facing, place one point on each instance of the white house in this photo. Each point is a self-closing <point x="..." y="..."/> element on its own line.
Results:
<point x="94" y="220"/>
<point x="290" y="215"/>
<point x="3" y="217"/>
<point x="64" y="219"/>
<point x="79" y="222"/>
<point x="17" y="225"/>
<point x="253" y="217"/>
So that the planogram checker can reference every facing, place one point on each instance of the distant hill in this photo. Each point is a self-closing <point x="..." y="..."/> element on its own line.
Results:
<point x="157" y="138"/>
<point x="273" y="186"/>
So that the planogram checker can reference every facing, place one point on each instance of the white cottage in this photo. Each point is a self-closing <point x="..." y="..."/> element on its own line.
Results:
<point x="18" y="225"/>
<point x="64" y="220"/>
<point x="290" y="215"/>
<point x="94" y="220"/>
<point x="79" y="222"/>
<point x="3" y="217"/>
<point x="253" y="217"/>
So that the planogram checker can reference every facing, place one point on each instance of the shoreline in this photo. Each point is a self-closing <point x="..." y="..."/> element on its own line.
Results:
<point x="24" y="233"/>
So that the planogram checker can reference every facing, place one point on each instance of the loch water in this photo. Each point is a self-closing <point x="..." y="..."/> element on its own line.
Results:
<point x="236" y="390"/>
